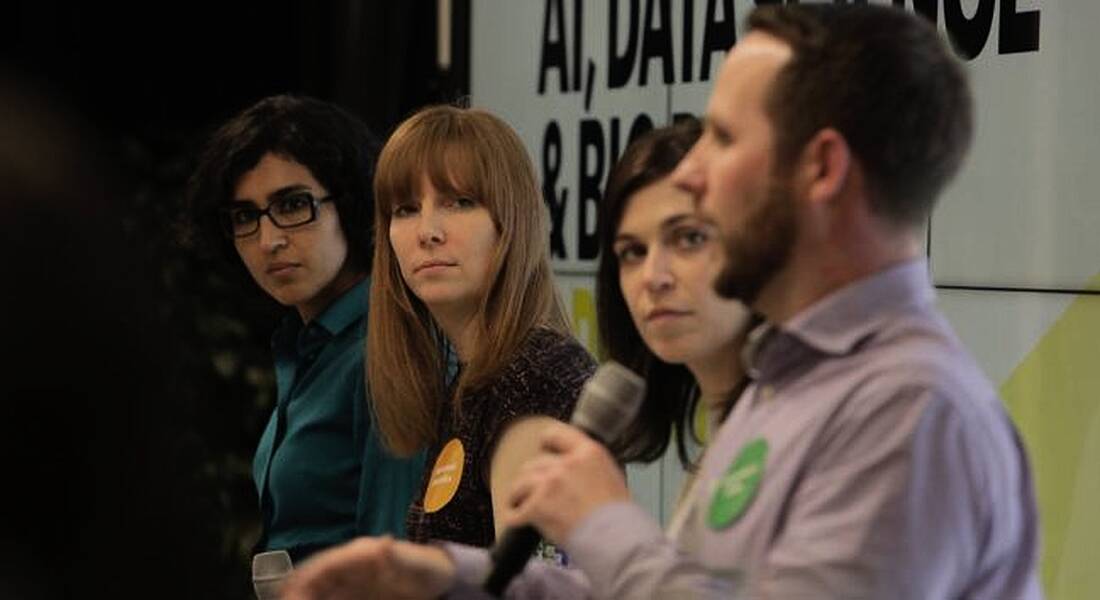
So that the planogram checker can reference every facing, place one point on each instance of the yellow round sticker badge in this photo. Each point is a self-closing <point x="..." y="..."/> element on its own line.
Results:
<point x="446" y="474"/>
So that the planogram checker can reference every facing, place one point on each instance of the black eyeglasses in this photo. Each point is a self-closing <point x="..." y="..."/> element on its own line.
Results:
<point x="288" y="210"/>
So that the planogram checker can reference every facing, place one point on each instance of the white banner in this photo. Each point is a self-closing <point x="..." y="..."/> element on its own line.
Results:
<point x="1019" y="230"/>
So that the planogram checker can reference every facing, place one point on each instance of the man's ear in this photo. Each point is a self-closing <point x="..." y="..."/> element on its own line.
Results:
<point x="824" y="166"/>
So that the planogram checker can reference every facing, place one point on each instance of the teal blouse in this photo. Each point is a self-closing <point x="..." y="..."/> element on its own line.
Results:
<point x="321" y="472"/>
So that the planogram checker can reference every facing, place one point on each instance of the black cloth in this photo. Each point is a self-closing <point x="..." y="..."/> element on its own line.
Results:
<point x="544" y="378"/>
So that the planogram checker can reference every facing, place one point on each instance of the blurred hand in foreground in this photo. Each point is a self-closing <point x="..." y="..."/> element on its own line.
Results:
<point x="557" y="489"/>
<point x="368" y="568"/>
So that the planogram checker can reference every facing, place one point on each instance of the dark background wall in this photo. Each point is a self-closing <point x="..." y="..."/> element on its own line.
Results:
<point x="141" y="375"/>
<point x="175" y="66"/>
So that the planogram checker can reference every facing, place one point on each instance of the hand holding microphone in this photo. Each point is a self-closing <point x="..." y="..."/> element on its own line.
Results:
<point x="576" y="475"/>
<point x="554" y="491"/>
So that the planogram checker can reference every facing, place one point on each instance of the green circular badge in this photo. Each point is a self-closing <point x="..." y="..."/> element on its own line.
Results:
<point x="736" y="489"/>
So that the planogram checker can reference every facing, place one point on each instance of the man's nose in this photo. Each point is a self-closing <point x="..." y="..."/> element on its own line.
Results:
<point x="689" y="175"/>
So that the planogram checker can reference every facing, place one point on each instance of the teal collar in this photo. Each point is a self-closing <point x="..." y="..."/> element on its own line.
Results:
<point x="346" y="309"/>
<point x="302" y="340"/>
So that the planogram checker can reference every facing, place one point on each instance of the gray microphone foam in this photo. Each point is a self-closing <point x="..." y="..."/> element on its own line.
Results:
<point x="609" y="402"/>
<point x="269" y="569"/>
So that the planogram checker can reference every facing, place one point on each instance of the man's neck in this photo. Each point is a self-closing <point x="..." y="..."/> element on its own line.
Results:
<point x="815" y="272"/>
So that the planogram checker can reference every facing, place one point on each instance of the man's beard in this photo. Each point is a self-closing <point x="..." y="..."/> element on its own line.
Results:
<point x="763" y="246"/>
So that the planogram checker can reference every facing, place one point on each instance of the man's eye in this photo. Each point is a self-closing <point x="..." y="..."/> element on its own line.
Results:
<point x="720" y="137"/>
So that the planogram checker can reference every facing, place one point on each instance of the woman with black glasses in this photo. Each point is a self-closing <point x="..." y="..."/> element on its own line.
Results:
<point x="286" y="187"/>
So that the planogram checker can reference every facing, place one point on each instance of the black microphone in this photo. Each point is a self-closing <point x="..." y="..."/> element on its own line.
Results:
<point x="608" y="403"/>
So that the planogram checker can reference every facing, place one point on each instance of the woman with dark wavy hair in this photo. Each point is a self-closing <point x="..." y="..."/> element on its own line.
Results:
<point x="657" y="311"/>
<point x="659" y="314"/>
<point x="285" y="188"/>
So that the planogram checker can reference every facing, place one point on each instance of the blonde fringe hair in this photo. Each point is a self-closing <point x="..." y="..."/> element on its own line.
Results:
<point x="469" y="153"/>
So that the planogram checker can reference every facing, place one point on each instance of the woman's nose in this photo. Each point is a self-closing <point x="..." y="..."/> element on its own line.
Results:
<point x="430" y="229"/>
<point x="656" y="273"/>
<point x="271" y="236"/>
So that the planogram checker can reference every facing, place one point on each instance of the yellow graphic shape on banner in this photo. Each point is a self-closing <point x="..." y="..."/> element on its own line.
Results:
<point x="583" y="307"/>
<point x="1054" y="398"/>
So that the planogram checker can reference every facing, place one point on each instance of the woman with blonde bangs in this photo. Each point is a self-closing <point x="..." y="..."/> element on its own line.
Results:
<point x="660" y="315"/>
<point x="468" y="344"/>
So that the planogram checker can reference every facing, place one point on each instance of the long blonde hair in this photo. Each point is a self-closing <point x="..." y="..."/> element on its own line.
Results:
<point x="470" y="153"/>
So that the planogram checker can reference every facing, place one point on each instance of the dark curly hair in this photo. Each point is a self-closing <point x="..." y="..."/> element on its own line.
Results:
<point x="338" y="149"/>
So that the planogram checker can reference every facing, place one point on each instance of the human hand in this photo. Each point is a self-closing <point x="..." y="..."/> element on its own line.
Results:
<point x="572" y="477"/>
<point x="368" y="568"/>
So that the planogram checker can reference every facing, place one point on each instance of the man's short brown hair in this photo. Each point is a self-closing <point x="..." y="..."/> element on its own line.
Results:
<point x="883" y="78"/>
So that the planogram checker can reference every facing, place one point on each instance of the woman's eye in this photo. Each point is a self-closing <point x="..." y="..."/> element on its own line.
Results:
<point x="463" y="202"/>
<point x="629" y="254"/>
<point x="292" y="205"/>
<point x="403" y="210"/>
<point x="241" y="216"/>
<point x="691" y="238"/>
<point x="294" y="202"/>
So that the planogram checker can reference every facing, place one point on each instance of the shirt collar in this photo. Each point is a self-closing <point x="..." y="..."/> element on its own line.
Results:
<point x="338" y="316"/>
<point x="346" y="309"/>
<point x="838" y="322"/>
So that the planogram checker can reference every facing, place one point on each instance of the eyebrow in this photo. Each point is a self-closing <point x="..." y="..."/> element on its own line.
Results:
<point x="676" y="219"/>
<point x="279" y="193"/>
<point x="709" y="122"/>
<point x="623" y="237"/>
<point x="666" y="224"/>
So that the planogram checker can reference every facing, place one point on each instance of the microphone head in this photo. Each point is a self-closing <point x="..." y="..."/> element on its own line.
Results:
<point x="609" y="402"/>
<point x="269" y="569"/>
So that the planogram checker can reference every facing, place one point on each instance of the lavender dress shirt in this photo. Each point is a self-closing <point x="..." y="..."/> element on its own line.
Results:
<point x="892" y="471"/>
